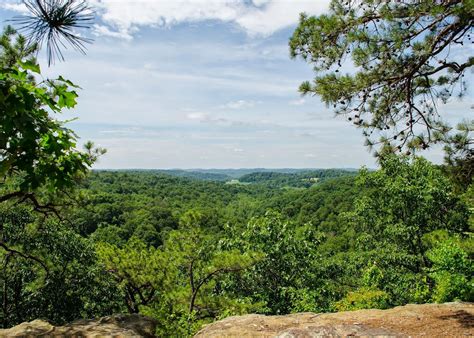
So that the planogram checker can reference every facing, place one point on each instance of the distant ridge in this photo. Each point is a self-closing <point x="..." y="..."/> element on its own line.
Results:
<point x="249" y="175"/>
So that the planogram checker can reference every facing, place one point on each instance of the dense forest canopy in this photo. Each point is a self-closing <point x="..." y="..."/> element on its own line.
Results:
<point x="190" y="247"/>
<point x="346" y="242"/>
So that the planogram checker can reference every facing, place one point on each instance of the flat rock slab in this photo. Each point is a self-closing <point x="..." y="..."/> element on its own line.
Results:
<point x="312" y="331"/>
<point x="111" y="326"/>
<point x="428" y="320"/>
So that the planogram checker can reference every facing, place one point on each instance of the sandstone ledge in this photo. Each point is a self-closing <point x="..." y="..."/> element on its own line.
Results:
<point x="111" y="326"/>
<point x="429" y="320"/>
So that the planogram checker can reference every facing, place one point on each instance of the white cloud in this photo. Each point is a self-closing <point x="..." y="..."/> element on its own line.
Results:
<point x="262" y="17"/>
<point x="259" y="3"/>
<point x="120" y="131"/>
<point x="198" y="116"/>
<point x="101" y="30"/>
<point x="298" y="102"/>
<point x="278" y="14"/>
<point x="126" y="14"/>
<point x="17" y="7"/>
<point x="239" y="104"/>
<point x="206" y="118"/>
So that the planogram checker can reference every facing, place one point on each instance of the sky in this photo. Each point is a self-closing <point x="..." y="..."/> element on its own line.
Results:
<point x="204" y="84"/>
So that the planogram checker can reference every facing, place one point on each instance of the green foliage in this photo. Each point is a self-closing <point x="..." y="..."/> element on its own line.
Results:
<point x="304" y="179"/>
<point x="355" y="242"/>
<point x="128" y="200"/>
<point x="404" y="201"/>
<point x="48" y="271"/>
<point x="452" y="272"/>
<point x="199" y="266"/>
<point x="320" y="205"/>
<point x="402" y="208"/>
<point x="363" y="299"/>
<point x="459" y="155"/>
<point x="179" y="283"/>
<point x="35" y="148"/>
<point x="188" y="252"/>
<point x="138" y="269"/>
<point x="278" y="277"/>
<point x="205" y="175"/>
<point x="18" y="49"/>
<point x="403" y="65"/>
<point x="468" y="198"/>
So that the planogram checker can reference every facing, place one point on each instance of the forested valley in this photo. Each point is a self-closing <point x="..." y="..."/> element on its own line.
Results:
<point x="188" y="251"/>
<point x="189" y="247"/>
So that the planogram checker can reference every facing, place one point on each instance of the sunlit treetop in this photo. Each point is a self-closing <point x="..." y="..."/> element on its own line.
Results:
<point x="409" y="57"/>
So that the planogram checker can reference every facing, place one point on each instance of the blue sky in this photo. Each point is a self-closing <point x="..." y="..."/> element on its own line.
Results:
<point x="204" y="84"/>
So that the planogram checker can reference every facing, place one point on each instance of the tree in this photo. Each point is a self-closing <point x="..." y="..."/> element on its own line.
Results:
<point x="452" y="270"/>
<point x="37" y="152"/>
<point x="55" y="21"/>
<point x="180" y="282"/>
<point x="280" y="280"/>
<point x="13" y="51"/>
<point x="138" y="269"/>
<point x="409" y="57"/>
<point x="405" y="200"/>
<point x="402" y="204"/>
<point x="459" y="155"/>
<point x="201" y="262"/>
<point x="49" y="271"/>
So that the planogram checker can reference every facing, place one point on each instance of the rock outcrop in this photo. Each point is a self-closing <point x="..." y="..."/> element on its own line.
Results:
<point x="429" y="320"/>
<point x="111" y="326"/>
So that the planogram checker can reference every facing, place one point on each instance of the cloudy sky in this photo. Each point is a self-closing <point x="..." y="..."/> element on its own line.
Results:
<point x="203" y="84"/>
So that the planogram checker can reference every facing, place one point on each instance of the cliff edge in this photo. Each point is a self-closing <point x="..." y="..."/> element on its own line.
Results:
<point x="429" y="320"/>
<point x="111" y="326"/>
